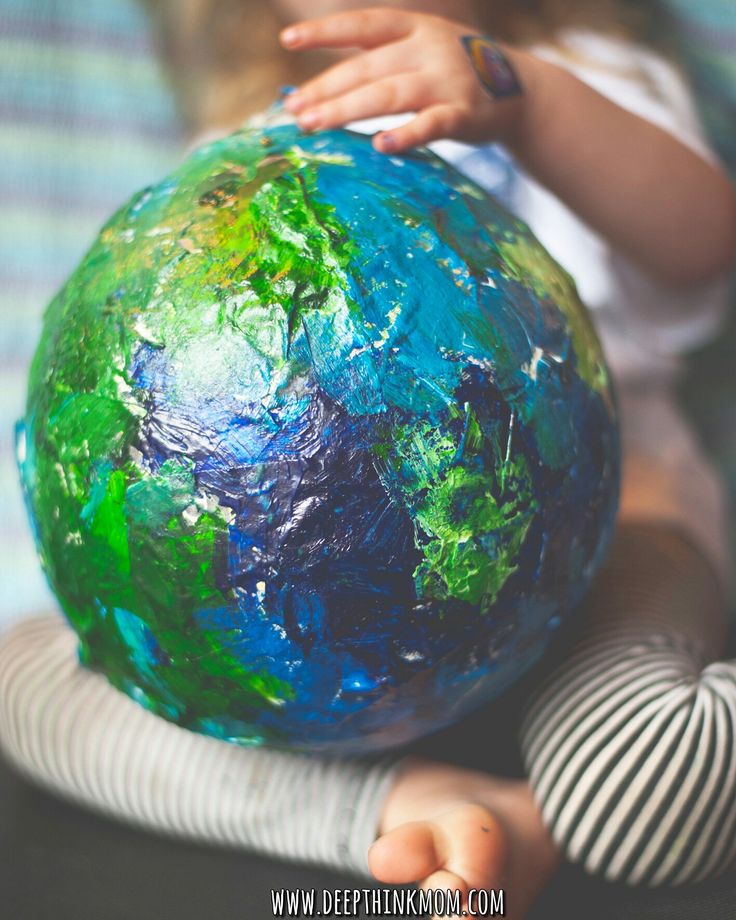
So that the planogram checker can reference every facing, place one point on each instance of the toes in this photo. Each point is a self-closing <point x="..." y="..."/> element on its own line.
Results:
<point x="404" y="854"/>
<point x="444" y="880"/>
<point x="461" y="848"/>
<point x="478" y="846"/>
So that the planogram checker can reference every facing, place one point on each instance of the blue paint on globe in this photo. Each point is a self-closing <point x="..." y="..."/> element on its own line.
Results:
<point x="320" y="446"/>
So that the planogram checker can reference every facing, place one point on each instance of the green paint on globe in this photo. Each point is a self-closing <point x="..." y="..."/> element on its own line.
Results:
<point x="319" y="448"/>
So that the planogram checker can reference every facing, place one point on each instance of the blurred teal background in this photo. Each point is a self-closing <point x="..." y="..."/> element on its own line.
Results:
<point x="86" y="118"/>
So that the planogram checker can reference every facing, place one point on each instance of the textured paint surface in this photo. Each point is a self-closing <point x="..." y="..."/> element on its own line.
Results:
<point x="319" y="445"/>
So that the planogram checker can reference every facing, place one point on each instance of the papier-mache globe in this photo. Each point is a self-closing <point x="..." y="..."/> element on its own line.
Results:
<point x="320" y="446"/>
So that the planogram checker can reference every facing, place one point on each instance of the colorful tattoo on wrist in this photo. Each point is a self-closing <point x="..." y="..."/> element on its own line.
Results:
<point x="493" y="68"/>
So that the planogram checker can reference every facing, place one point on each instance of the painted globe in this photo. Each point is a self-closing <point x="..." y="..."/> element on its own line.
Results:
<point x="320" y="447"/>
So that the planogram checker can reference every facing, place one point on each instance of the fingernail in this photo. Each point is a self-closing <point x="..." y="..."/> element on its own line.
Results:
<point x="290" y="36"/>
<point x="309" y="120"/>
<point x="292" y="102"/>
<point x="387" y="141"/>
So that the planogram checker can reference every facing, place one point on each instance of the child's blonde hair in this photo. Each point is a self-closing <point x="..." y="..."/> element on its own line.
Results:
<point x="226" y="62"/>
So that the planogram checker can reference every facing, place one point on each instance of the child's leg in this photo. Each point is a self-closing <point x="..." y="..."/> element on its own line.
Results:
<point x="631" y="744"/>
<point x="70" y="730"/>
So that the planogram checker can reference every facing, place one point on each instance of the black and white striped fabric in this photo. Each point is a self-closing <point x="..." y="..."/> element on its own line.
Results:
<point x="631" y="753"/>
<point x="69" y="730"/>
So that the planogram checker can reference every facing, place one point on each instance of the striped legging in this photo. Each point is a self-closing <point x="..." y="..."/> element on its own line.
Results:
<point x="629" y="743"/>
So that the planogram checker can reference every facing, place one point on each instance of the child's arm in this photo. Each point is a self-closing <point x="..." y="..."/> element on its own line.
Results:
<point x="670" y="210"/>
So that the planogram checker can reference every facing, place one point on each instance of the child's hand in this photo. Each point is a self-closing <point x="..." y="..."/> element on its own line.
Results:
<point x="410" y="62"/>
<point x="633" y="182"/>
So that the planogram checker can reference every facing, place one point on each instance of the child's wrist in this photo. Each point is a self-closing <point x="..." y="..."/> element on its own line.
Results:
<point x="512" y="120"/>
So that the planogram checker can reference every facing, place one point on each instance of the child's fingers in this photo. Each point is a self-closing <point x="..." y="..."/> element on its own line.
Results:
<point x="348" y="75"/>
<point x="433" y="123"/>
<point x="354" y="29"/>
<point x="398" y="93"/>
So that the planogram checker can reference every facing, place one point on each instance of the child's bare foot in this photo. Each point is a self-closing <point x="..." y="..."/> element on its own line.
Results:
<point x="445" y="827"/>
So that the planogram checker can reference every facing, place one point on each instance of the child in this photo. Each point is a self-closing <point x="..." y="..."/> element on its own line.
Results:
<point x="629" y="744"/>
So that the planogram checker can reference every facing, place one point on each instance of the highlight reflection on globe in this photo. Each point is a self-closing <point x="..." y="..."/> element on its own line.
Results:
<point x="319" y="447"/>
